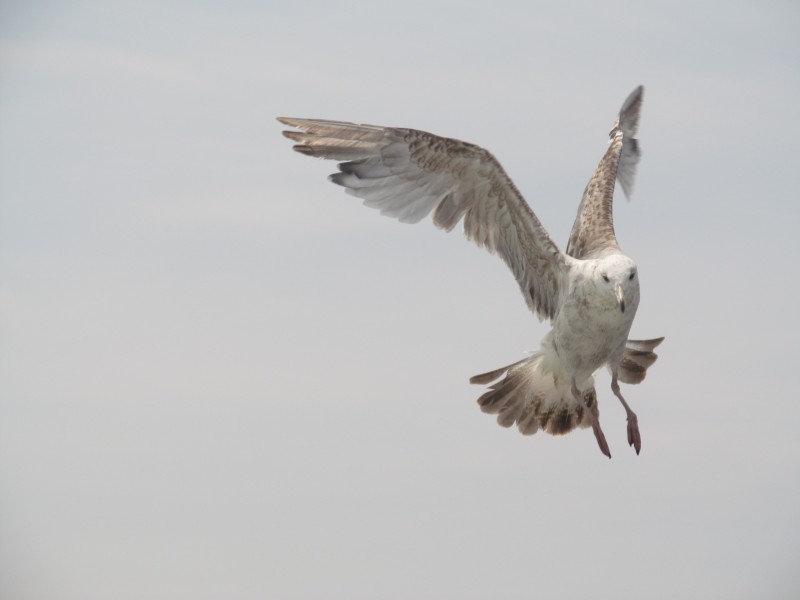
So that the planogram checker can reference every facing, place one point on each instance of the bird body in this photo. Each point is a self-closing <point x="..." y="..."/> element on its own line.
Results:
<point x="590" y="292"/>
<point x="589" y="331"/>
<point x="590" y="328"/>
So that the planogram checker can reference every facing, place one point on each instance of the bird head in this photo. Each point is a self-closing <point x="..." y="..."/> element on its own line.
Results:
<point x="618" y="277"/>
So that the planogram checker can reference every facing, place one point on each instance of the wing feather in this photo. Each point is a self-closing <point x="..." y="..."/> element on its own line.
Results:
<point x="593" y="231"/>
<point x="407" y="174"/>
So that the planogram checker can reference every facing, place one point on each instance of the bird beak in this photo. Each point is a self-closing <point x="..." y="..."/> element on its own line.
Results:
<point x="620" y="297"/>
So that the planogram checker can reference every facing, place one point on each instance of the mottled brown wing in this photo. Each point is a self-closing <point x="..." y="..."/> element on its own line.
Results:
<point x="593" y="231"/>
<point x="407" y="174"/>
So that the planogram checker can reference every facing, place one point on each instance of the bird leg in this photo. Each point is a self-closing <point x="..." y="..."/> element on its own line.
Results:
<point x="598" y="433"/>
<point x="634" y="439"/>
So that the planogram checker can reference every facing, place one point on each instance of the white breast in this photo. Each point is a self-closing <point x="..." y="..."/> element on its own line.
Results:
<point x="590" y="330"/>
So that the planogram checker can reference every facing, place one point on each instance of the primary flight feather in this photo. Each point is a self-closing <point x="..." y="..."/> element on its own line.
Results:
<point x="590" y="293"/>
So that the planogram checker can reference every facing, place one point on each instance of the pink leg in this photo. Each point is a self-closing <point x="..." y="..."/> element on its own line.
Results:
<point x="598" y="433"/>
<point x="634" y="439"/>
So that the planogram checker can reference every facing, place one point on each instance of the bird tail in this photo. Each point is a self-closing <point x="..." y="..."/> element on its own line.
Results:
<point x="637" y="357"/>
<point x="535" y="396"/>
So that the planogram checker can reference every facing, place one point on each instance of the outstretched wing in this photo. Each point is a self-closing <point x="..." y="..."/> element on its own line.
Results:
<point x="407" y="174"/>
<point x="593" y="232"/>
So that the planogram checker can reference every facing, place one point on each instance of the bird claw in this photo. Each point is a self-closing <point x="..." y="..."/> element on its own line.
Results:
<point x="601" y="439"/>
<point x="634" y="439"/>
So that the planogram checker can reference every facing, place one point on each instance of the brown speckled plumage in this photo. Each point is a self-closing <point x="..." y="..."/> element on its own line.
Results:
<point x="590" y="292"/>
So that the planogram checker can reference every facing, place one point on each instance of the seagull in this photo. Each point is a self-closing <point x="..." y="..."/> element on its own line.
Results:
<point x="589" y="293"/>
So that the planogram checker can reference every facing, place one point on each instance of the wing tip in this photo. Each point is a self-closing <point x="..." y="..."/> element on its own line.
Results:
<point x="297" y="136"/>
<point x="637" y="95"/>
<point x="292" y="121"/>
<point x="628" y="116"/>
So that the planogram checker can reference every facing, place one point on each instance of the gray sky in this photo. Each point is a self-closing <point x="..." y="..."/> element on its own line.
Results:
<point x="222" y="377"/>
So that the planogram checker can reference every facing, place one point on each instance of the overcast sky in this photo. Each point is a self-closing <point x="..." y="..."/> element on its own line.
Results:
<point x="222" y="377"/>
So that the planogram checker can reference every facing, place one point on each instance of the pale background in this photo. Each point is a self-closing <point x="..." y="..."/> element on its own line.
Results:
<point x="221" y="377"/>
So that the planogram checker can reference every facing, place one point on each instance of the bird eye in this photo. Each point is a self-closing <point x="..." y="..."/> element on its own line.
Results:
<point x="605" y="277"/>
<point x="632" y="274"/>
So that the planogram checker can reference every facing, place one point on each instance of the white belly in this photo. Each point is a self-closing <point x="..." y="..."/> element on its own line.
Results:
<point x="586" y="337"/>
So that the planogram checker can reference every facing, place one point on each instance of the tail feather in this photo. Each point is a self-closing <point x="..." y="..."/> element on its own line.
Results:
<point x="637" y="357"/>
<point x="510" y="413"/>
<point x="644" y="345"/>
<point x="499" y="396"/>
<point x="534" y="397"/>
<point x="485" y="378"/>
<point x="527" y="423"/>
<point x="535" y="394"/>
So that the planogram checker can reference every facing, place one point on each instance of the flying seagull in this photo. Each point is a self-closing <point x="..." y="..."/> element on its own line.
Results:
<point x="590" y="293"/>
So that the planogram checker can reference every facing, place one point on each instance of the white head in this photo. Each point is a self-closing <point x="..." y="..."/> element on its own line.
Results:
<point x="617" y="275"/>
